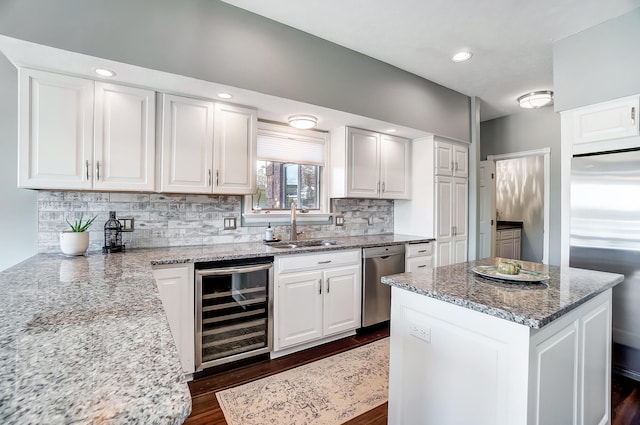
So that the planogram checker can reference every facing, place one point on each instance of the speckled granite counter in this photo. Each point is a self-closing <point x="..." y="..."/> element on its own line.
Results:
<point x="533" y="305"/>
<point x="85" y="340"/>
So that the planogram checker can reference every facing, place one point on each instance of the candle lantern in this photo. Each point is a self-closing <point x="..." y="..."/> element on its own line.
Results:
<point x="112" y="235"/>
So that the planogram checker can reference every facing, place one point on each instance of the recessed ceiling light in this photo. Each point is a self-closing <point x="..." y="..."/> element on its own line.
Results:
<point x="303" y="121"/>
<point x="391" y="130"/>
<point x="104" y="72"/>
<point x="536" y="99"/>
<point x="225" y="95"/>
<point x="461" y="56"/>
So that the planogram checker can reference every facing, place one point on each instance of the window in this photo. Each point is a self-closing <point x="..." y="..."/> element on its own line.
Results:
<point x="290" y="167"/>
<point x="281" y="183"/>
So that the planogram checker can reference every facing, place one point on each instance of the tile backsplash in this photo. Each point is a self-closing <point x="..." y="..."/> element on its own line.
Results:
<point x="174" y="220"/>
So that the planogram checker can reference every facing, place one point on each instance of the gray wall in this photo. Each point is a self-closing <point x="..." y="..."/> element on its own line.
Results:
<point x="213" y="41"/>
<point x="598" y="64"/>
<point x="17" y="206"/>
<point x="520" y="197"/>
<point x="529" y="130"/>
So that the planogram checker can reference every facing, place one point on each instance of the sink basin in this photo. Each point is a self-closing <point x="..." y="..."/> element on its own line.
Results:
<point x="302" y="244"/>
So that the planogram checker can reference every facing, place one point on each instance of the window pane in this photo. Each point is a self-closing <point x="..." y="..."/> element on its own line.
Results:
<point x="281" y="183"/>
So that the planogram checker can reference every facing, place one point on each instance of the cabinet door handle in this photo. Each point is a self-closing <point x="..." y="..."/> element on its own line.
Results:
<point x="453" y="230"/>
<point x="378" y="187"/>
<point x="633" y="115"/>
<point x="320" y="286"/>
<point x="216" y="178"/>
<point x="324" y="262"/>
<point x="98" y="170"/>
<point x="384" y="188"/>
<point x="86" y="169"/>
<point x="209" y="178"/>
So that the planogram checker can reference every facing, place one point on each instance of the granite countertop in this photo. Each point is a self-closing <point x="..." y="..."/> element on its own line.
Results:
<point x="504" y="225"/>
<point x="85" y="340"/>
<point x="534" y="305"/>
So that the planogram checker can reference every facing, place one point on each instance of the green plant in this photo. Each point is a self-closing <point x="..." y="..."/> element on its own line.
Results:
<point x="79" y="226"/>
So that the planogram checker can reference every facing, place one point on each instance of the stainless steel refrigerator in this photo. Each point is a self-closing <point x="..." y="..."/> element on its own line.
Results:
<point x="605" y="235"/>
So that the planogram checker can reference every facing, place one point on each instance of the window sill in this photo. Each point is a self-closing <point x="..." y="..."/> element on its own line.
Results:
<point x="279" y="219"/>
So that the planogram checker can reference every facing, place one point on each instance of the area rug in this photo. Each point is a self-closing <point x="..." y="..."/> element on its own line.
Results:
<point x="330" y="391"/>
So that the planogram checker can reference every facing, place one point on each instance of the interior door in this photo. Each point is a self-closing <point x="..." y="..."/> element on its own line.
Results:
<point x="487" y="174"/>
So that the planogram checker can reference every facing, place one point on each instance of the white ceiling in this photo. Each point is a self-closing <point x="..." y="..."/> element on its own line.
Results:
<point x="511" y="40"/>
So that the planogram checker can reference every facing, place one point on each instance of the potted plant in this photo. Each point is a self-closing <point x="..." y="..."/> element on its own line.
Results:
<point x="76" y="240"/>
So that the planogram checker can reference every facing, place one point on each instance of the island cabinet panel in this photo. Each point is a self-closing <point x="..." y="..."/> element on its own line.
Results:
<point x="444" y="356"/>
<point x="176" y="288"/>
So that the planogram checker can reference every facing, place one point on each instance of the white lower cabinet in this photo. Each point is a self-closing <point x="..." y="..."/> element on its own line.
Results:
<point x="418" y="256"/>
<point x="175" y="285"/>
<point x="318" y="296"/>
<point x="508" y="243"/>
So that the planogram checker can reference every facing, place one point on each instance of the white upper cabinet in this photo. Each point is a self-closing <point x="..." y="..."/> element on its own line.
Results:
<point x="607" y="120"/>
<point x="56" y="131"/>
<point x="207" y="147"/>
<point x="366" y="164"/>
<point x="451" y="159"/>
<point x="77" y="134"/>
<point x="187" y="145"/>
<point x="234" y="139"/>
<point x="124" y="143"/>
<point x="395" y="167"/>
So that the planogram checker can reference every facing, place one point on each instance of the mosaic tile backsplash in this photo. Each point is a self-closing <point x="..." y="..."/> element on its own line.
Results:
<point x="179" y="220"/>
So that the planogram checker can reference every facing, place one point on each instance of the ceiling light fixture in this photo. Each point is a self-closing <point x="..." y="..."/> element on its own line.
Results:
<point x="104" y="72"/>
<point x="391" y="130"/>
<point x="461" y="56"/>
<point x="536" y="99"/>
<point x="225" y="95"/>
<point x="303" y="122"/>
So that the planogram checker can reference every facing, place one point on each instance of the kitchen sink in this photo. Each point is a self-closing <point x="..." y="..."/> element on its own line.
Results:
<point x="303" y="244"/>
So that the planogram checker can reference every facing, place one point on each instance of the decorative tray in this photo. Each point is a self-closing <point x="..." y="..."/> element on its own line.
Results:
<point x="491" y="272"/>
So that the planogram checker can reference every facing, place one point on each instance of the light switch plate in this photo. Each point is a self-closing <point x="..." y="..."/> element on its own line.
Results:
<point x="230" y="223"/>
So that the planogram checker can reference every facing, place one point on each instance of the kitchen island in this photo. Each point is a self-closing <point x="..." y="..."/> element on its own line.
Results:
<point x="86" y="340"/>
<point x="467" y="349"/>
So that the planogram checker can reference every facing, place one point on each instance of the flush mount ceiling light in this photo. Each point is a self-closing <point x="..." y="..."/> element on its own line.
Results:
<point x="461" y="56"/>
<point x="303" y="121"/>
<point x="104" y="72"/>
<point x="535" y="99"/>
<point x="391" y="130"/>
<point x="225" y="95"/>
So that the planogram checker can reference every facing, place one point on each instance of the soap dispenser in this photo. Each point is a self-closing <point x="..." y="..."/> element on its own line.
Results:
<point x="268" y="235"/>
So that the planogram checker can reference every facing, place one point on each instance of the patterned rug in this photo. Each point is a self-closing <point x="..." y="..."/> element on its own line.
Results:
<point x="330" y="391"/>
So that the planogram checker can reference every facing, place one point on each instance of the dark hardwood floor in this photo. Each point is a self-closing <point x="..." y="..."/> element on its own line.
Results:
<point x="625" y="392"/>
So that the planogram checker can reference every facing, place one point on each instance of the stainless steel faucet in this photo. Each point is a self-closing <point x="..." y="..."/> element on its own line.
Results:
<point x="294" y="226"/>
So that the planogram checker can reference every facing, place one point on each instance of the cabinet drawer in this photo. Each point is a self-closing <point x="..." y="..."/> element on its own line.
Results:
<point x="504" y="234"/>
<point x="416" y="264"/>
<point x="517" y="233"/>
<point x="314" y="261"/>
<point x="418" y="249"/>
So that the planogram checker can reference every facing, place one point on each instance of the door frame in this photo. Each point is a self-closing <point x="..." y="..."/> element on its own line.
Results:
<point x="546" y="153"/>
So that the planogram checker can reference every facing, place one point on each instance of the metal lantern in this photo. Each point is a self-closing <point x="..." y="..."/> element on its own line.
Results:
<point x="112" y="235"/>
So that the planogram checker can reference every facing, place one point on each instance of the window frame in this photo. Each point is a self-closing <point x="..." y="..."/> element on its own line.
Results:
<point x="251" y="217"/>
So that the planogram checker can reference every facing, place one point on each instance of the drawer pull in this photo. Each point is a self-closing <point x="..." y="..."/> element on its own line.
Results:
<point x="324" y="262"/>
<point x="422" y="250"/>
<point x="422" y="266"/>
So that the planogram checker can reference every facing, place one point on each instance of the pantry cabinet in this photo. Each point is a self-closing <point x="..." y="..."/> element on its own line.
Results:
<point x="317" y="297"/>
<point x="207" y="147"/>
<point x="451" y="219"/>
<point x="451" y="159"/>
<point x="366" y="164"/>
<point x="78" y="134"/>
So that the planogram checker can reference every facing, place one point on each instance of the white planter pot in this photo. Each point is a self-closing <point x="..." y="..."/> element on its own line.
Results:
<point x="74" y="243"/>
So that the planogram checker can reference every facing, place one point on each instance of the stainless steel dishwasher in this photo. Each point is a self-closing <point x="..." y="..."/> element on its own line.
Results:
<point x="376" y="297"/>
